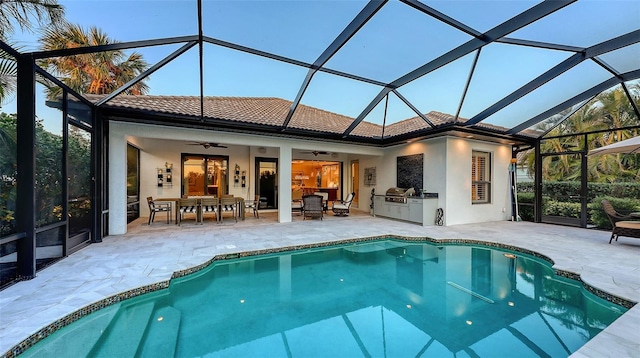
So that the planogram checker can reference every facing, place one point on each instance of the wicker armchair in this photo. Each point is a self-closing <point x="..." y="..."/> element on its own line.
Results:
<point x="621" y="225"/>
<point x="312" y="206"/>
<point x="341" y="208"/>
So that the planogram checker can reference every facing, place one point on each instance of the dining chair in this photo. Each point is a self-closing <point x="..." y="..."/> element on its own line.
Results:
<point x="209" y="205"/>
<point x="158" y="208"/>
<point x="228" y="205"/>
<point x="187" y="206"/>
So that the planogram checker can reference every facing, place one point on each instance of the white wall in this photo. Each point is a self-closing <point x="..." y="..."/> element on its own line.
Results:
<point x="447" y="168"/>
<point x="459" y="209"/>
<point x="447" y="171"/>
<point x="159" y="144"/>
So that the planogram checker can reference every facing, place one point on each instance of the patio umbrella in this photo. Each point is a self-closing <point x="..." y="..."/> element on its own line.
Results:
<point x="631" y="145"/>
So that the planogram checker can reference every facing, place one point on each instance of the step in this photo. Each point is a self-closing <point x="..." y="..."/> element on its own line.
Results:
<point x="76" y="339"/>
<point x="126" y="332"/>
<point x="162" y="334"/>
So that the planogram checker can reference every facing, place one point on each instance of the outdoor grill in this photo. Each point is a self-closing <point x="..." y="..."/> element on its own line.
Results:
<point x="398" y="195"/>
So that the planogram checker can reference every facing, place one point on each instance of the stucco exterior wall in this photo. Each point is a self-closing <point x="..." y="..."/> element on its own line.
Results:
<point x="460" y="210"/>
<point x="447" y="168"/>
<point x="159" y="144"/>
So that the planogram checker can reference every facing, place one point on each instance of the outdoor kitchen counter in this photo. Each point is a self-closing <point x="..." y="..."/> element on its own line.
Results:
<point x="415" y="209"/>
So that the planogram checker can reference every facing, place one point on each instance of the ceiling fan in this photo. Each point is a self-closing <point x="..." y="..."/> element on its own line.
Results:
<point x="316" y="152"/>
<point x="208" y="145"/>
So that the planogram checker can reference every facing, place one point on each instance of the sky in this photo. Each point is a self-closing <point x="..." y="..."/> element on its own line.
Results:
<point x="395" y="41"/>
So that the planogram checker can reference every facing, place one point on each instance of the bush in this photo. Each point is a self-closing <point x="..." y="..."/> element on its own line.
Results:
<point x="526" y="206"/>
<point x="567" y="188"/>
<point x="622" y="206"/>
<point x="561" y="208"/>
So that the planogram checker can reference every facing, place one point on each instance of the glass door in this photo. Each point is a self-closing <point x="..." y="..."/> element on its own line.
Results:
<point x="133" y="183"/>
<point x="562" y="200"/>
<point x="79" y="186"/>
<point x="267" y="183"/>
<point x="204" y="175"/>
<point x="355" y="181"/>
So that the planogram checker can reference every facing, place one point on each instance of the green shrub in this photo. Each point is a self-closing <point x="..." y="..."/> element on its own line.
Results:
<point x="526" y="206"/>
<point x="561" y="208"/>
<point x="564" y="189"/>
<point x="622" y="206"/>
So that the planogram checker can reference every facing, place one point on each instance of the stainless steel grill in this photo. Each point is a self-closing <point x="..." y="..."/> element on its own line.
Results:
<point x="398" y="195"/>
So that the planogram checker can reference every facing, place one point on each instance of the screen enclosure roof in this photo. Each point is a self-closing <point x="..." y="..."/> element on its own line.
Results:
<point x="376" y="72"/>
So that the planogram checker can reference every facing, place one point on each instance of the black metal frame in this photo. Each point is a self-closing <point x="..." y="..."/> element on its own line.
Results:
<point x="27" y="70"/>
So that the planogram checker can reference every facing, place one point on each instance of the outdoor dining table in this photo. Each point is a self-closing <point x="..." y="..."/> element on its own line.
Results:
<point x="174" y="203"/>
<point x="239" y="201"/>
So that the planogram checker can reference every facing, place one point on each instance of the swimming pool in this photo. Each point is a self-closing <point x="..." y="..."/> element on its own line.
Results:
<point x="380" y="298"/>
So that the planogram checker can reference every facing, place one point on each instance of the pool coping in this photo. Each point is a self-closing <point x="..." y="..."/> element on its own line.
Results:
<point x="119" y="297"/>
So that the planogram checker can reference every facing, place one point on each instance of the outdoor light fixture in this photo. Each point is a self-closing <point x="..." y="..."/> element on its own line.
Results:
<point x="510" y="256"/>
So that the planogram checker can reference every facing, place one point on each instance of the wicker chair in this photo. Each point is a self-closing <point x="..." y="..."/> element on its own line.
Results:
<point x="210" y="205"/>
<point x="296" y="201"/>
<point x="621" y="225"/>
<point x="341" y="208"/>
<point x="312" y="206"/>
<point x="325" y="200"/>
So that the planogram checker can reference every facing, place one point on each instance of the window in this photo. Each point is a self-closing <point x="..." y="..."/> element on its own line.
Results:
<point x="480" y="177"/>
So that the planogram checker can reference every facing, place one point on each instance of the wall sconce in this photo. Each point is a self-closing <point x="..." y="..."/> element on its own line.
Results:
<point x="262" y="150"/>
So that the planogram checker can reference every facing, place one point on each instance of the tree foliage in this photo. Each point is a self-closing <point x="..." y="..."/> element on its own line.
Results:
<point x="609" y="110"/>
<point x="49" y="176"/>
<point x="28" y="15"/>
<point x="95" y="73"/>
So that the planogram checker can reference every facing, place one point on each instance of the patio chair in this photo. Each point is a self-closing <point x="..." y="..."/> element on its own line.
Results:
<point x="312" y="206"/>
<point x="296" y="201"/>
<point x="255" y="205"/>
<point x="621" y="226"/>
<point x="187" y="206"/>
<point x="341" y="208"/>
<point x="209" y="205"/>
<point x="325" y="200"/>
<point x="229" y="205"/>
<point x="158" y="208"/>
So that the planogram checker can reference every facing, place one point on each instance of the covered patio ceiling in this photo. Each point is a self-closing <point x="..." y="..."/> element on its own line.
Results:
<point x="373" y="72"/>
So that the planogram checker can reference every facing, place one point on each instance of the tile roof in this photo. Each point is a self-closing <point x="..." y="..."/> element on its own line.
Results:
<point x="270" y="111"/>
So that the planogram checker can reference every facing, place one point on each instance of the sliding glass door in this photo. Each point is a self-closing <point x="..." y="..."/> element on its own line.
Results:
<point x="204" y="175"/>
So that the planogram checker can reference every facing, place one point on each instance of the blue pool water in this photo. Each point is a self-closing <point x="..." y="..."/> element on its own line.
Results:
<point x="375" y="299"/>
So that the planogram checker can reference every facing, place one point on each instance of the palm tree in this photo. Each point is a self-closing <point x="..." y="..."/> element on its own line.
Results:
<point x="609" y="110"/>
<point x="23" y="12"/>
<point x="96" y="73"/>
<point x="8" y="76"/>
<point x="28" y="15"/>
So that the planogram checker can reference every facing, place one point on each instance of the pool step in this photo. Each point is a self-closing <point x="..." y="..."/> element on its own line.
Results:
<point x="162" y="334"/>
<point x="75" y="340"/>
<point x="126" y="332"/>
